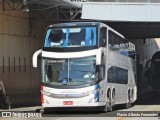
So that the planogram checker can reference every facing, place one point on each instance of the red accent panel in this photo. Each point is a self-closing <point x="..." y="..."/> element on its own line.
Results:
<point x="67" y="102"/>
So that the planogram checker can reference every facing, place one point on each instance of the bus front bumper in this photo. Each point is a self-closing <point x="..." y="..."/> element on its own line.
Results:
<point x="89" y="101"/>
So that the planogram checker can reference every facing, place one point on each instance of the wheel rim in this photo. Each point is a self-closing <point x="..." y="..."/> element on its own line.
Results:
<point x="105" y="109"/>
<point x="110" y="102"/>
<point x="113" y="98"/>
<point x="129" y="100"/>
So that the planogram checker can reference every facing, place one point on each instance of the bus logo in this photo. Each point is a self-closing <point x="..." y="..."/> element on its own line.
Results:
<point x="6" y="114"/>
<point x="64" y="82"/>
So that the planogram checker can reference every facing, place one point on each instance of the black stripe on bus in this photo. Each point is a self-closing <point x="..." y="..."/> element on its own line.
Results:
<point x="117" y="75"/>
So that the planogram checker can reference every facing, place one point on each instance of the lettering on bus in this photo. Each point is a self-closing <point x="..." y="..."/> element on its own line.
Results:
<point x="55" y="61"/>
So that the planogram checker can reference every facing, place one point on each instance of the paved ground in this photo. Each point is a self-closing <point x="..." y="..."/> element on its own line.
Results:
<point x="150" y="102"/>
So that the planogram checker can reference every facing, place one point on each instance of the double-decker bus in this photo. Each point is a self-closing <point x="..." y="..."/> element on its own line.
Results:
<point x="86" y="64"/>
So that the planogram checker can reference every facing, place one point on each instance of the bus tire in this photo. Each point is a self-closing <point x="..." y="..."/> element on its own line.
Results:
<point x="128" y="104"/>
<point x="42" y="110"/>
<point x="105" y="110"/>
<point x="113" y="98"/>
<point x="109" y="107"/>
<point x="132" y="97"/>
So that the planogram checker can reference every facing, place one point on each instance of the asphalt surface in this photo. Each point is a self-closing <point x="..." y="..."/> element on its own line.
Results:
<point x="150" y="98"/>
<point x="149" y="103"/>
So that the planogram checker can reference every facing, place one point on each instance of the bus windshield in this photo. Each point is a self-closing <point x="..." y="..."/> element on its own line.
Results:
<point x="70" y="37"/>
<point x="79" y="71"/>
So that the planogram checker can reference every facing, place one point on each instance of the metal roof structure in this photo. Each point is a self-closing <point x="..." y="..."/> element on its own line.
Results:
<point x="133" y="20"/>
<point x="55" y="3"/>
<point x="46" y="10"/>
<point x="125" y="12"/>
<point x="137" y="30"/>
<point x="39" y="4"/>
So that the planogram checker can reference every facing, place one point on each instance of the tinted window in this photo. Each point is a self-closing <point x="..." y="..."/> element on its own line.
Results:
<point x="121" y="45"/>
<point x="117" y="75"/>
<point x="70" y="37"/>
<point x="102" y="38"/>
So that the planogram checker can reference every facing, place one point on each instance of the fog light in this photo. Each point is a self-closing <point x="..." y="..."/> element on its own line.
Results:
<point x="46" y="101"/>
<point x="93" y="100"/>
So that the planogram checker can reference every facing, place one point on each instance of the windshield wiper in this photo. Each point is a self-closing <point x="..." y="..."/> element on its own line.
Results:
<point x="91" y="82"/>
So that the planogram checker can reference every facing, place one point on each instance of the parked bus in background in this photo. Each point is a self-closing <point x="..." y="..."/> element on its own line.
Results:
<point x="86" y="64"/>
<point x="152" y="71"/>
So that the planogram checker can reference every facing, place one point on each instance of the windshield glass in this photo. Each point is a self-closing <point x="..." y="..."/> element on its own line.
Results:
<point x="70" y="37"/>
<point x="78" y="71"/>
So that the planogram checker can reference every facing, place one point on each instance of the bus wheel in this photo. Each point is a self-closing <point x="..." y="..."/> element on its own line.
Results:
<point x="128" y="104"/>
<point x="109" y="107"/>
<point x="105" y="108"/>
<point x="113" y="99"/>
<point x="42" y="110"/>
<point x="132" y="98"/>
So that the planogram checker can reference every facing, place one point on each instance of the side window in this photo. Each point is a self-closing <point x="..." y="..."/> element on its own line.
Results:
<point x="124" y="48"/>
<point x="103" y="37"/>
<point x="121" y="45"/>
<point x="101" y="68"/>
<point x="110" y="42"/>
<point x="131" y="51"/>
<point x="47" y="40"/>
<point x="117" y="75"/>
<point x="101" y="72"/>
<point x="110" y="75"/>
<point x="114" y="41"/>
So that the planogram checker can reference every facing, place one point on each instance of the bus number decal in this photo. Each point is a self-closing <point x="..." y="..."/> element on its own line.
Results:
<point x="67" y="102"/>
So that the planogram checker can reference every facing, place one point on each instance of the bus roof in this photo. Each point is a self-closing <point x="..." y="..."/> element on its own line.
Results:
<point x="71" y="24"/>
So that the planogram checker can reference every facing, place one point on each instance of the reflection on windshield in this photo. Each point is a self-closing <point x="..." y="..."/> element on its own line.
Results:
<point x="69" y="71"/>
<point x="70" y="37"/>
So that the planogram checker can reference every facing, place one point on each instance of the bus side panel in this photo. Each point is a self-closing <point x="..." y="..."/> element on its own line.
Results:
<point x="117" y="60"/>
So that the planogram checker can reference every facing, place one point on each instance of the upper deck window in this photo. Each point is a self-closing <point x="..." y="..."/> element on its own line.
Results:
<point x="121" y="45"/>
<point x="70" y="37"/>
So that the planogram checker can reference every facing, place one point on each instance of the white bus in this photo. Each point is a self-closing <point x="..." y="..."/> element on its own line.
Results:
<point x="86" y="64"/>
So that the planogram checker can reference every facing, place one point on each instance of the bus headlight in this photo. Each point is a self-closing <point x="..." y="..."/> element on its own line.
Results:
<point x="93" y="100"/>
<point x="46" y="101"/>
<point x="45" y="93"/>
<point x="92" y="92"/>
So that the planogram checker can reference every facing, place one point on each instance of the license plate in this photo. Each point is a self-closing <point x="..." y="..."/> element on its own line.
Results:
<point x="67" y="102"/>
